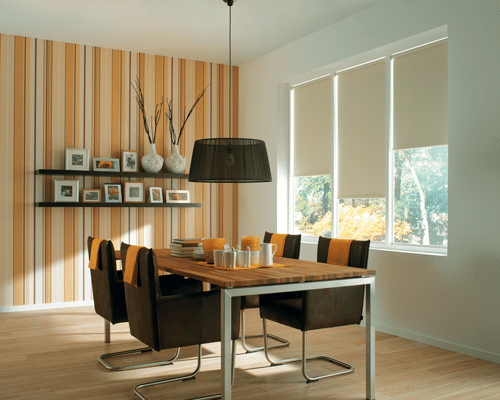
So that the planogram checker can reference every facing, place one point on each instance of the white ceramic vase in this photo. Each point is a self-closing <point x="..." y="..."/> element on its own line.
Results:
<point x="152" y="162"/>
<point x="175" y="163"/>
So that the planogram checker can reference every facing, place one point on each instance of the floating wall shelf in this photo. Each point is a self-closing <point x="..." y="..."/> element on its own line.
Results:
<point x="64" y="172"/>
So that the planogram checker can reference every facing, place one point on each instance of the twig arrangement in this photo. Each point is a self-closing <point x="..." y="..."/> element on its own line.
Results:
<point x="173" y="136"/>
<point x="140" y="102"/>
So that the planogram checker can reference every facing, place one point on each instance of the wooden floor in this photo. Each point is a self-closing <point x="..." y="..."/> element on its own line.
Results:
<point x="52" y="354"/>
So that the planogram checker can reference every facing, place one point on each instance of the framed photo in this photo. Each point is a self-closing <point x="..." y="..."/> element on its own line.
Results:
<point x="66" y="190"/>
<point x="155" y="195"/>
<point x="106" y="164"/>
<point x="112" y="193"/>
<point x="91" y="195"/>
<point x="130" y="161"/>
<point x="133" y="192"/>
<point x="177" y="196"/>
<point x="77" y="159"/>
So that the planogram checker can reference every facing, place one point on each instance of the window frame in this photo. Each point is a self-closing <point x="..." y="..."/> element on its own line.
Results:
<point x="387" y="52"/>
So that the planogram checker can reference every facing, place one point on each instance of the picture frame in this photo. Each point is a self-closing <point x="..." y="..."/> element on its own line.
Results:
<point x="112" y="192"/>
<point x="106" y="164"/>
<point x="133" y="192"/>
<point x="155" y="195"/>
<point x="91" y="195"/>
<point x="177" y="196"/>
<point x="130" y="161"/>
<point x="66" y="190"/>
<point x="77" y="159"/>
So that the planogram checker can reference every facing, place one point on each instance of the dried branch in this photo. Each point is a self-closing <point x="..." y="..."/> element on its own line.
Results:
<point x="173" y="137"/>
<point x="140" y="102"/>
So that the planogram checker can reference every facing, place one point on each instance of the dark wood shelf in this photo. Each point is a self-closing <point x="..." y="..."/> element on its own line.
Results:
<point x="159" y="175"/>
<point x="121" y="205"/>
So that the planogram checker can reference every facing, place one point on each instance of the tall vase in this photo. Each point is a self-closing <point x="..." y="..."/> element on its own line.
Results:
<point x="152" y="162"/>
<point x="175" y="163"/>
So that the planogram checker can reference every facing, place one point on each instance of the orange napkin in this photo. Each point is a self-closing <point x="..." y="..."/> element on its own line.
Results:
<point x="279" y="240"/>
<point x="131" y="265"/>
<point x="338" y="251"/>
<point x="94" y="253"/>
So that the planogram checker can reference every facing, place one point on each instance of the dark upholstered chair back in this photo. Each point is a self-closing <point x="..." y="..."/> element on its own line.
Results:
<point x="107" y="285"/>
<point x="292" y="245"/>
<point x="175" y="317"/>
<point x="358" y="255"/>
<point x="323" y="308"/>
<point x="290" y="250"/>
<point x="141" y="301"/>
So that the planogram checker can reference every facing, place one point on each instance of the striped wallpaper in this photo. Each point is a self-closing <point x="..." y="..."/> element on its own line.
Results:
<point x="55" y="96"/>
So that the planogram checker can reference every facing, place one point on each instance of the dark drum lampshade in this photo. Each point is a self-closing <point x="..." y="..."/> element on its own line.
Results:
<point x="229" y="160"/>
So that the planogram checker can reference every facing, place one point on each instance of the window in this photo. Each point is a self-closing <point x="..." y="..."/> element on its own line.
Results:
<point x="369" y="151"/>
<point x="313" y="205"/>
<point x="421" y="196"/>
<point x="312" y="157"/>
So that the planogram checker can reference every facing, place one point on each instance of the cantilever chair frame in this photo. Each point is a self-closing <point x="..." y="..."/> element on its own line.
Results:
<point x="150" y="289"/>
<point x="292" y="251"/>
<point x="347" y="368"/>
<point x="107" y="257"/>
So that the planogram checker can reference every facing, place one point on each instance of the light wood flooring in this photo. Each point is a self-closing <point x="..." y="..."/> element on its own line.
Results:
<point x="51" y="354"/>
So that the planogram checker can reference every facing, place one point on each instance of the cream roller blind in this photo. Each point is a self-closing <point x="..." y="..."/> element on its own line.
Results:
<point x="362" y="132"/>
<point x="421" y="98"/>
<point x="312" y="128"/>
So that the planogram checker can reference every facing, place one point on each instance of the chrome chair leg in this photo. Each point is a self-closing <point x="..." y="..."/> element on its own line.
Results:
<point x="107" y="331"/>
<point x="190" y="376"/>
<point x="283" y="341"/>
<point x="134" y="366"/>
<point x="348" y="368"/>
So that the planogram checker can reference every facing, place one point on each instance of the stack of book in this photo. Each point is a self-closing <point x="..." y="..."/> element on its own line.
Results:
<point x="184" y="247"/>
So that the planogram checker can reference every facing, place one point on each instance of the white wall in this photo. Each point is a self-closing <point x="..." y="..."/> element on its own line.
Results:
<point x="452" y="301"/>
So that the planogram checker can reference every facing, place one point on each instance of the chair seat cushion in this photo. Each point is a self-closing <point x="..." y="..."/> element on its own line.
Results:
<point x="251" y="301"/>
<point x="284" y="311"/>
<point x="176" y="284"/>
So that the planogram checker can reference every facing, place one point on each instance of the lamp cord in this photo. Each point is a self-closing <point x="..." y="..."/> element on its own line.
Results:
<point x="230" y="72"/>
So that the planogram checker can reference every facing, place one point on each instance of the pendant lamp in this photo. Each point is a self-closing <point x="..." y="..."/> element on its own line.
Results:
<point x="229" y="160"/>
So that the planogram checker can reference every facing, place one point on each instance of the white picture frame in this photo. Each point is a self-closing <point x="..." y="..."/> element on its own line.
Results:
<point x="155" y="195"/>
<point x="177" y="196"/>
<point x="66" y="191"/>
<point x="130" y="161"/>
<point x="112" y="192"/>
<point x="77" y="159"/>
<point x="133" y="192"/>
<point x="106" y="164"/>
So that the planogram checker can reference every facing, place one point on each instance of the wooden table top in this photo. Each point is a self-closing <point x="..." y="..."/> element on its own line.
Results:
<point x="299" y="271"/>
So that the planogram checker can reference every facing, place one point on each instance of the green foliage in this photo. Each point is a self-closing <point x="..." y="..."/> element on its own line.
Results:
<point x="420" y="183"/>
<point x="430" y="165"/>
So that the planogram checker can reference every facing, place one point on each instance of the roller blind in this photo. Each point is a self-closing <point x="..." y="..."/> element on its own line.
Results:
<point x="421" y="98"/>
<point x="362" y="132"/>
<point x="312" y="128"/>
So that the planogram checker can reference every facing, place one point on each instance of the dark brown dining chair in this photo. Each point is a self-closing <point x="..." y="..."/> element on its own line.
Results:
<point x="289" y="247"/>
<point x="109" y="300"/>
<point x="170" y="317"/>
<point x="319" y="309"/>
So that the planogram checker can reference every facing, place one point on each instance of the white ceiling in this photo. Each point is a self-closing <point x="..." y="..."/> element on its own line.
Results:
<point x="191" y="29"/>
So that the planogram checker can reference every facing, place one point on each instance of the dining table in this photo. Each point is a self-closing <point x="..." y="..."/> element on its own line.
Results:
<point x="286" y="275"/>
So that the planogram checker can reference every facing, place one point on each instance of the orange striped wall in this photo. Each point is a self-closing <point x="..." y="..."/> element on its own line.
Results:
<point x="55" y="96"/>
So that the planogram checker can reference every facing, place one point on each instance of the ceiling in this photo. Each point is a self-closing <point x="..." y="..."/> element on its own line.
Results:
<point x="190" y="29"/>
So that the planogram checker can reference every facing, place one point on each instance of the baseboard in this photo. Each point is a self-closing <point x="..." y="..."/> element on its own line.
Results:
<point x="46" y="306"/>
<point x="468" y="351"/>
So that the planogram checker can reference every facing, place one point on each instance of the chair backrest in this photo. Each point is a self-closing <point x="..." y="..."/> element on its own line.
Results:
<point x="338" y="306"/>
<point x="172" y="320"/>
<point x="358" y="254"/>
<point x="107" y="285"/>
<point x="292" y="245"/>
<point x="141" y="300"/>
